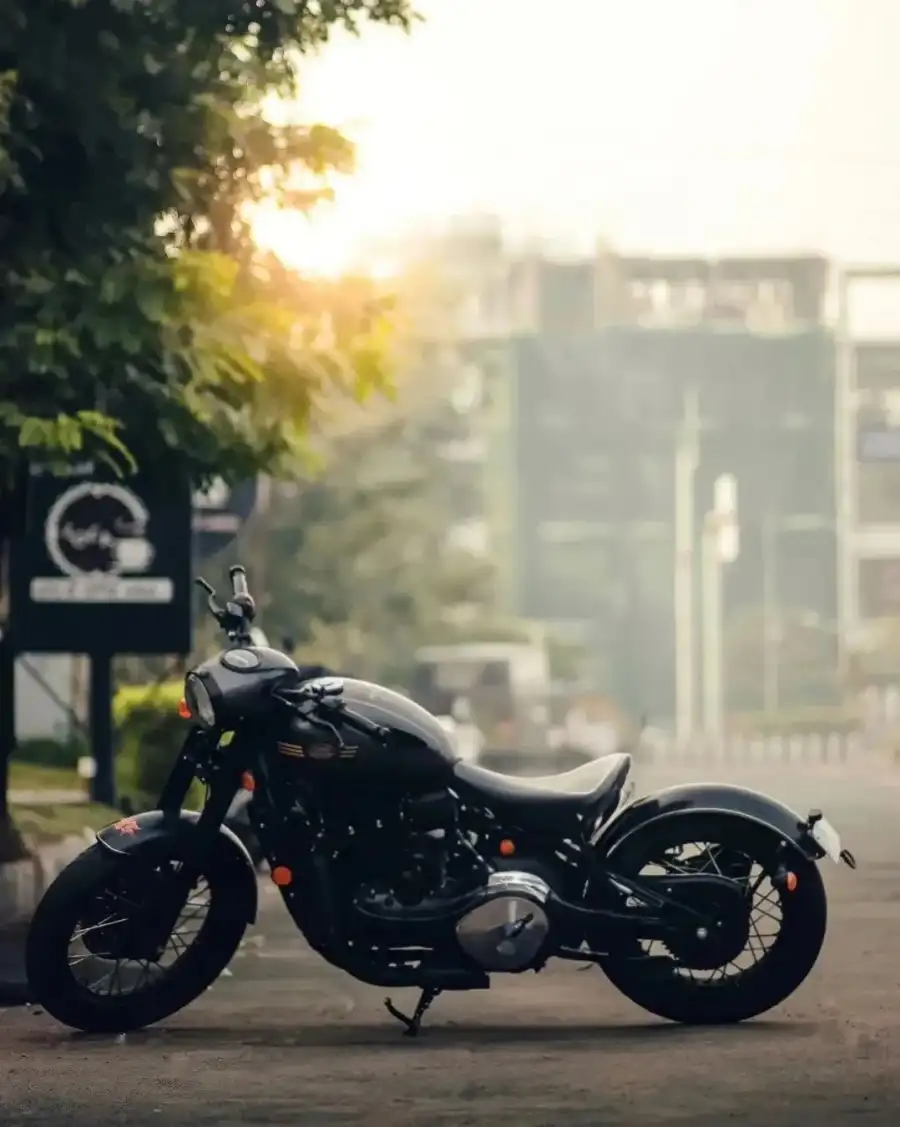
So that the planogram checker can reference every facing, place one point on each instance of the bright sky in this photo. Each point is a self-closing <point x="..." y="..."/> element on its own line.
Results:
<point x="664" y="125"/>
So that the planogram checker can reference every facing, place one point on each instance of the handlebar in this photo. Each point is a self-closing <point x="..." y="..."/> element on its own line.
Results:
<point x="320" y="700"/>
<point x="238" y="576"/>
<point x="238" y="613"/>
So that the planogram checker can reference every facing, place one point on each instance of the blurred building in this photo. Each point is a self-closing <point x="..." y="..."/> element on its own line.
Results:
<point x="587" y="368"/>
<point x="873" y="379"/>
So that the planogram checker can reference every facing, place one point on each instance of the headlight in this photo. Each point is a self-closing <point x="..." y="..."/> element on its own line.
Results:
<point x="198" y="701"/>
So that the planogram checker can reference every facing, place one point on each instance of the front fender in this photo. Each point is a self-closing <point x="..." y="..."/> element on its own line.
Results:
<point x="136" y="836"/>
<point x="710" y="798"/>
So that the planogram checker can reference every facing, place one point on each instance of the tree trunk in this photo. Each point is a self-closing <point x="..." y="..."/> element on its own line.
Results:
<point x="7" y="673"/>
<point x="12" y="848"/>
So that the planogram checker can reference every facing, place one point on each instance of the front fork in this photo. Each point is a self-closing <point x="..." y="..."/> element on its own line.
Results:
<point x="221" y="768"/>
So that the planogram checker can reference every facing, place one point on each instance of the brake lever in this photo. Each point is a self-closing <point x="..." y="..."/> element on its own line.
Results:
<point x="215" y="608"/>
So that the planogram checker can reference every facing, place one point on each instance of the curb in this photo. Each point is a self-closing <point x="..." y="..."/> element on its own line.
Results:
<point x="22" y="884"/>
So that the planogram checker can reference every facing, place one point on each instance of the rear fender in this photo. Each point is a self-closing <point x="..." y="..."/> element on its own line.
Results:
<point x="139" y="835"/>
<point x="709" y="798"/>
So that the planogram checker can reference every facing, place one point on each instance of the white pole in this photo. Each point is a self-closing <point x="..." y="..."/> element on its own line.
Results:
<point x="686" y="459"/>
<point x="771" y="657"/>
<point x="713" y="663"/>
<point x="845" y="475"/>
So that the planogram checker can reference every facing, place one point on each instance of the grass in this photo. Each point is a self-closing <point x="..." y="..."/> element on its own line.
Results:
<point x="35" y="776"/>
<point x="42" y="825"/>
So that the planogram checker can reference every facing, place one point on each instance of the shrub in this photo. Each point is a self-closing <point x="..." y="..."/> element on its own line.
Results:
<point x="150" y="735"/>
<point x="52" y="753"/>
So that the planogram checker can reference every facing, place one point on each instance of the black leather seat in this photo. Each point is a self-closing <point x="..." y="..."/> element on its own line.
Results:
<point x="591" y="789"/>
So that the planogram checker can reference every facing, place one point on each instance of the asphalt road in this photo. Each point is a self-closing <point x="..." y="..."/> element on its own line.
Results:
<point x="288" y="1040"/>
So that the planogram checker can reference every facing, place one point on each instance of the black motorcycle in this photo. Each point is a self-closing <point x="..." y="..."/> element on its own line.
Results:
<point x="407" y="867"/>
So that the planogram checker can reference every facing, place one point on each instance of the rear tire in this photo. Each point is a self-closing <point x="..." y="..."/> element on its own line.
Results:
<point x="781" y="970"/>
<point x="55" y="987"/>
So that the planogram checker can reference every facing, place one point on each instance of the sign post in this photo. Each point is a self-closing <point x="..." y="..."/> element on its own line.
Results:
<point x="219" y="513"/>
<point x="721" y="545"/>
<point x="103" y="567"/>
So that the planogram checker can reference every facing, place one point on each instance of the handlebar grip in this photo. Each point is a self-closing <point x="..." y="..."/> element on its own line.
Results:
<point x="238" y="580"/>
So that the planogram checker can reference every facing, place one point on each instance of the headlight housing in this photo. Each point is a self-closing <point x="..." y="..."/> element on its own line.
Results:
<point x="198" y="700"/>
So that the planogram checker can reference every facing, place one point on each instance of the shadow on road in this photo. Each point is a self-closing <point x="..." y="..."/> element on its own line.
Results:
<point x="449" y="1035"/>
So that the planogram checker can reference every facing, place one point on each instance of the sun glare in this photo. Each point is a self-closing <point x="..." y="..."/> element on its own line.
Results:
<point x="309" y="244"/>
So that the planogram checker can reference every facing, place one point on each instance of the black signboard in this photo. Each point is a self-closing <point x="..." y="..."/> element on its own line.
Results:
<point x="103" y="565"/>
<point x="219" y="512"/>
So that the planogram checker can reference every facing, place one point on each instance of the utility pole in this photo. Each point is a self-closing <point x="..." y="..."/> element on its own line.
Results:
<point x="721" y="545"/>
<point x="687" y="457"/>
<point x="258" y="545"/>
<point x="845" y="474"/>
<point x="772" y="628"/>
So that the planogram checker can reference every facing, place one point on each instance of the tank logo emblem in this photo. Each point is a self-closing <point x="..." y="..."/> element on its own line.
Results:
<point x="319" y="752"/>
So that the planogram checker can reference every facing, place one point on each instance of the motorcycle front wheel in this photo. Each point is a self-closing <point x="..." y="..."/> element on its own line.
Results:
<point x="84" y="957"/>
<point x="762" y="957"/>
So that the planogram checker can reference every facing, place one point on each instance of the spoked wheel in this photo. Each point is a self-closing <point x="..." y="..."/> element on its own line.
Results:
<point x="757" y="957"/>
<point x="93" y="960"/>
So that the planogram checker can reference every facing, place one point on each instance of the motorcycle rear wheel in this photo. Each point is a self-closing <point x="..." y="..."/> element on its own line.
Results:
<point x="76" y="908"/>
<point x="726" y="995"/>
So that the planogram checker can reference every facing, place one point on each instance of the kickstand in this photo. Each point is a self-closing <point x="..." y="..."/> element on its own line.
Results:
<point x="413" y="1023"/>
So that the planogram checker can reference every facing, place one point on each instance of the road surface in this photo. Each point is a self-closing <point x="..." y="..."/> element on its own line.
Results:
<point x="286" y="1040"/>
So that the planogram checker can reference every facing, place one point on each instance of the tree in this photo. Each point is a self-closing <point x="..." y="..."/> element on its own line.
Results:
<point x="128" y="131"/>
<point x="797" y="663"/>
<point x="137" y="324"/>
<point x="360" y="573"/>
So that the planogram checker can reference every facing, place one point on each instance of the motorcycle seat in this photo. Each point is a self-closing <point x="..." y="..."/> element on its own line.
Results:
<point x="592" y="788"/>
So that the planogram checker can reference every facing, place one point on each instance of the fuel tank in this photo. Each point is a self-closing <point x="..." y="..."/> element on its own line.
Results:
<point x="415" y="750"/>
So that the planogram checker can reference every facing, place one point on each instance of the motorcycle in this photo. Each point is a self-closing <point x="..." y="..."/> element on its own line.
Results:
<point x="406" y="866"/>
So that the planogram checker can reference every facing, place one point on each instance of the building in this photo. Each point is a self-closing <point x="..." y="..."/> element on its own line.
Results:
<point x="590" y="368"/>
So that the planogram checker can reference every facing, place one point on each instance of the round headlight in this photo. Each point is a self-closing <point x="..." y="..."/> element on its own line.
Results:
<point x="198" y="700"/>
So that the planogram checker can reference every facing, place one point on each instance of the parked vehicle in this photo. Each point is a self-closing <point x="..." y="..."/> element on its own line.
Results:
<point x="504" y="690"/>
<point x="407" y="867"/>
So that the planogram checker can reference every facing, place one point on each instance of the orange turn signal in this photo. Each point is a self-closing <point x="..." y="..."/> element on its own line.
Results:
<point x="183" y="711"/>
<point x="507" y="847"/>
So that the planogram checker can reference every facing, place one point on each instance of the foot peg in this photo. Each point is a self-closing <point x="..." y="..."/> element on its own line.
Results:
<point x="414" y="1023"/>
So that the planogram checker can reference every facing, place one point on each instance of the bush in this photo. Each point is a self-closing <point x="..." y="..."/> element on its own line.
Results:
<point x="150" y="735"/>
<point x="52" y="753"/>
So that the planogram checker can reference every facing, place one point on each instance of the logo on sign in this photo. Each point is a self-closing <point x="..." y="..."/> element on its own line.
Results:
<point x="96" y="537"/>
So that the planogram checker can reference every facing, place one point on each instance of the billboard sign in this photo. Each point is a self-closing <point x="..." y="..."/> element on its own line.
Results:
<point x="102" y="564"/>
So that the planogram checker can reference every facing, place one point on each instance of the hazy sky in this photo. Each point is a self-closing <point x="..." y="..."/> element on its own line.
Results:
<point x="667" y="125"/>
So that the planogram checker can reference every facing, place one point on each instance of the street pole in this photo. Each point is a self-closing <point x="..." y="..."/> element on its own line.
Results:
<point x="771" y="647"/>
<point x="845" y="475"/>
<point x="711" y="606"/>
<point x="686" y="461"/>
<point x="720" y="545"/>
<point x="258" y="545"/>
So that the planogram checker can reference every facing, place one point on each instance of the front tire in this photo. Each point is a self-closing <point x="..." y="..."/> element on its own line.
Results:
<point x="58" y="983"/>
<point x="657" y="983"/>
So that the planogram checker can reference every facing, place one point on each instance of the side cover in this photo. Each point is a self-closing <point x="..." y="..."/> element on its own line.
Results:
<point x="145" y="833"/>
<point x="707" y="798"/>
